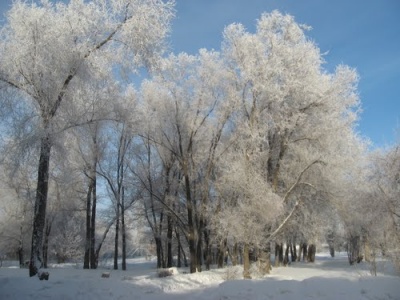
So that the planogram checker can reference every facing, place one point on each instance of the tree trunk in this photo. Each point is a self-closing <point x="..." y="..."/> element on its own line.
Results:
<point x="286" y="258"/>
<point x="40" y="206"/>
<point x="20" y="251"/>
<point x="192" y="232"/>
<point x="20" y="254"/>
<point x="123" y="231"/>
<point x="292" y="252"/>
<point x="179" y="263"/>
<point x="264" y="260"/>
<point x="246" y="261"/>
<point x="354" y="249"/>
<point x="221" y="253"/>
<point x="94" y="255"/>
<point x="169" y="241"/>
<point x="294" y="256"/>
<point x="158" y="252"/>
<point x="199" y="249"/>
<point x="331" y="243"/>
<point x="278" y="254"/>
<point x="207" y="249"/>
<point x="311" y="253"/>
<point x="46" y="243"/>
<point x="304" y="251"/>
<point x="116" y="240"/>
<point x="86" y="260"/>
<point x="235" y="255"/>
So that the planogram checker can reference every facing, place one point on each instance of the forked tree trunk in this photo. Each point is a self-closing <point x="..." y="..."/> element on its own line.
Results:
<point x="39" y="217"/>
<point x="246" y="261"/>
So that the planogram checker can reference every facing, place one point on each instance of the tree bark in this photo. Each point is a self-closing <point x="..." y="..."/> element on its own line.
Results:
<point x="169" y="241"/>
<point x="235" y="255"/>
<point x="46" y="243"/>
<point x="93" y="253"/>
<point x="221" y="253"/>
<point x="278" y="254"/>
<point x="86" y="260"/>
<point x="354" y="249"/>
<point x="207" y="249"/>
<point x="286" y="258"/>
<point x="264" y="260"/>
<point x="123" y="230"/>
<point x="39" y="218"/>
<point x="311" y="253"/>
<point x="304" y="251"/>
<point x="116" y="240"/>
<point x="246" y="261"/>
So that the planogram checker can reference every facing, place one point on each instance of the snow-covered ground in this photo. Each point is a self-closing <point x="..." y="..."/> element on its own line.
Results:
<point x="327" y="278"/>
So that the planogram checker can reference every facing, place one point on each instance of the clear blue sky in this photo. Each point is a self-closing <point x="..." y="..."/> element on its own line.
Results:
<point x="364" y="34"/>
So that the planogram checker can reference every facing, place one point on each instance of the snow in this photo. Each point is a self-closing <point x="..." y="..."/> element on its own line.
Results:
<point x="327" y="278"/>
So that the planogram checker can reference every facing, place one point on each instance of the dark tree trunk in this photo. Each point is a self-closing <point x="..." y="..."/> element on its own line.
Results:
<point x="286" y="258"/>
<point x="331" y="243"/>
<point x="20" y="254"/>
<point x="46" y="243"/>
<point x="39" y="217"/>
<point x="311" y="253"/>
<point x="278" y="254"/>
<point x="159" y="250"/>
<point x="304" y="251"/>
<point x="354" y="249"/>
<point x="179" y="263"/>
<point x="207" y="249"/>
<point x="116" y="240"/>
<point x="86" y="260"/>
<point x="192" y="232"/>
<point x="169" y="241"/>
<point x="93" y="253"/>
<point x="246" y="261"/>
<point x="123" y="231"/>
<point x="293" y="252"/>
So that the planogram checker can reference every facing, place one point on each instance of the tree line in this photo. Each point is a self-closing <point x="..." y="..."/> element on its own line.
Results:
<point x="231" y="153"/>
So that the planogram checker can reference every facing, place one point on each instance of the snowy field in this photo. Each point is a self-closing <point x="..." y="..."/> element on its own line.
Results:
<point x="327" y="278"/>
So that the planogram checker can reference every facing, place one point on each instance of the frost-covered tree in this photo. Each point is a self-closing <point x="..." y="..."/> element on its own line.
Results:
<point x="294" y="123"/>
<point x="49" y="50"/>
<point x="187" y="105"/>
